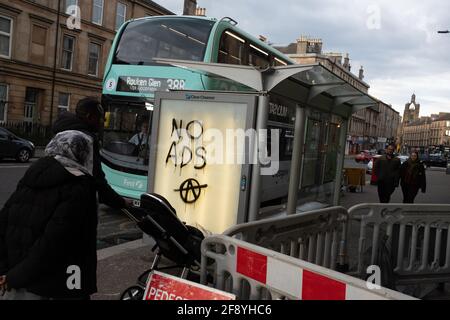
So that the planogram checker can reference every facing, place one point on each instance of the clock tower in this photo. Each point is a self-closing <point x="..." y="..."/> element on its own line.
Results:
<point x="412" y="111"/>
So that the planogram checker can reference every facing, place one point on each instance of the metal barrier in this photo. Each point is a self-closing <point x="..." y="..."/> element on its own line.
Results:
<point x="255" y="273"/>
<point x="318" y="236"/>
<point x="415" y="240"/>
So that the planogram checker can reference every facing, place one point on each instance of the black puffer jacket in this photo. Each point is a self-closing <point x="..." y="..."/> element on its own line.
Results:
<point x="69" y="121"/>
<point x="413" y="177"/>
<point x="388" y="171"/>
<point x="48" y="225"/>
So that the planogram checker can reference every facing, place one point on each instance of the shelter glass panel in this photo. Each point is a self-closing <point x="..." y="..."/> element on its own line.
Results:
<point x="312" y="152"/>
<point x="332" y="149"/>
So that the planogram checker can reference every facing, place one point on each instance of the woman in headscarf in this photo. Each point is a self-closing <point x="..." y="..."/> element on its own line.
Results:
<point x="413" y="178"/>
<point x="48" y="228"/>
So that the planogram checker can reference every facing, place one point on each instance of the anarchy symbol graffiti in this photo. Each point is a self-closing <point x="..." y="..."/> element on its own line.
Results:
<point x="190" y="190"/>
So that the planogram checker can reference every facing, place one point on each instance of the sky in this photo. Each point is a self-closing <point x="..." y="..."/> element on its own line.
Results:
<point x="395" y="41"/>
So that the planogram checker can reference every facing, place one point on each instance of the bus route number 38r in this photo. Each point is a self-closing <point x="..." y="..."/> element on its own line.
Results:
<point x="176" y="84"/>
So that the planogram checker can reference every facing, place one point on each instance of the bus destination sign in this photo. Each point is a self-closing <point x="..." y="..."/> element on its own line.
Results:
<point x="149" y="85"/>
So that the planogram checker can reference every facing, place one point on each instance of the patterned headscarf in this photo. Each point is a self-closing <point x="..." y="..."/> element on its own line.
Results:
<point x="73" y="149"/>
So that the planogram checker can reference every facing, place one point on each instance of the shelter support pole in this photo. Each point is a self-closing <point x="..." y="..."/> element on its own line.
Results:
<point x="256" y="182"/>
<point x="340" y="162"/>
<point x="297" y="160"/>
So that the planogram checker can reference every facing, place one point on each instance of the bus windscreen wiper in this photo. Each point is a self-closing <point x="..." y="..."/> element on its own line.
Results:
<point x="119" y="61"/>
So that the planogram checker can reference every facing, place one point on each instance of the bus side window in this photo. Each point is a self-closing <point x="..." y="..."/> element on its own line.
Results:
<point x="258" y="57"/>
<point x="232" y="49"/>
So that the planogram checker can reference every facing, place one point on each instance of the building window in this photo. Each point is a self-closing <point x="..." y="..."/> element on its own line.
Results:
<point x="3" y="102"/>
<point x="5" y="37"/>
<point x="31" y="100"/>
<point x="38" y="43"/>
<point x="94" y="57"/>
<point x="67" y="55"/>
<point x="97" y="12"/>
<point x="121" y="15"/>
<point x="69" y="4"/>
<point x="63" y="102"/>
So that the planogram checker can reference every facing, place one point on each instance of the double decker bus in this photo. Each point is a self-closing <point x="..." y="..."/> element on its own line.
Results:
<point x="132" y="77"/>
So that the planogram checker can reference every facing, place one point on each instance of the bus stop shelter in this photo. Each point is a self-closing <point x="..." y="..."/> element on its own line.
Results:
<point x="314" y="90"/>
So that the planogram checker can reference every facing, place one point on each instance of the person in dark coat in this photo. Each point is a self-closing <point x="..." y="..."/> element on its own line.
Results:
<point x="413" y="178"/>
<point x="89" y="119"/>
<point x="48" y="227"/>
<point x="387" y="169"/>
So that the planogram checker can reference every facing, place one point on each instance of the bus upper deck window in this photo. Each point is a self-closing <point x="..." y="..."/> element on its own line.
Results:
<point x="279" y="63"/>
<point x="172" y="38"/>
<point x="232" y="49"/>
<point x="258" y="57"/>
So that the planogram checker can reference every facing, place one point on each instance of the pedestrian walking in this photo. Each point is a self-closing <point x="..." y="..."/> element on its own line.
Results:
<point x="413" y="178"/>
<point x="387" y="169"/>
<point x="89" y="119"/>
<point x="48" y="227"/>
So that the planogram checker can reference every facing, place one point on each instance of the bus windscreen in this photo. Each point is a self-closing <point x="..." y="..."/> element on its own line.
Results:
<point x="182" y="39"/>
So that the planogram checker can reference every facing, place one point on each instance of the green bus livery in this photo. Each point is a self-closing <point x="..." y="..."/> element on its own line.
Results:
<point x="132" y="77"/>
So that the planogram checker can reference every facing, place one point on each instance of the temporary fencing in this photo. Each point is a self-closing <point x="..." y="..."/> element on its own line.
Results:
<point x="415" y="240"/>
<point x="255" y="273"/>
<point x="318" y="236"/>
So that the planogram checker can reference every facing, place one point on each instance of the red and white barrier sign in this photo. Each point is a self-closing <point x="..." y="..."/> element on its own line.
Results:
<point x="296" y="281"/>
<point x="165" y="287"/>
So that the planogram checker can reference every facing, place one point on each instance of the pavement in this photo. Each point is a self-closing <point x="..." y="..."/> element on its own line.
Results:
<point x="122" y="258"/>
<point x="438" y="191"/>
<point x="120" y="266"/>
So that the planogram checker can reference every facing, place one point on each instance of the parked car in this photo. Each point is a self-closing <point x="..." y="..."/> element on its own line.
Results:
<point x="403" y="158"/>
<point x="370" y="164"/>
<point x="423" y="157"/>
<point x="373" y="173"/>
<point x="435" y="160"/>
<point x="11" y="146"/>
<point x="365" y="156"/>
<point x="374" y="176"/>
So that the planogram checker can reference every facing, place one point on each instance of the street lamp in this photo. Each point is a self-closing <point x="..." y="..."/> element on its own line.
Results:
<point x="444" y="31"/>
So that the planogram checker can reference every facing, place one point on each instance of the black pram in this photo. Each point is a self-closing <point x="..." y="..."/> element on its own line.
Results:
<point x="174" y="240"/>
